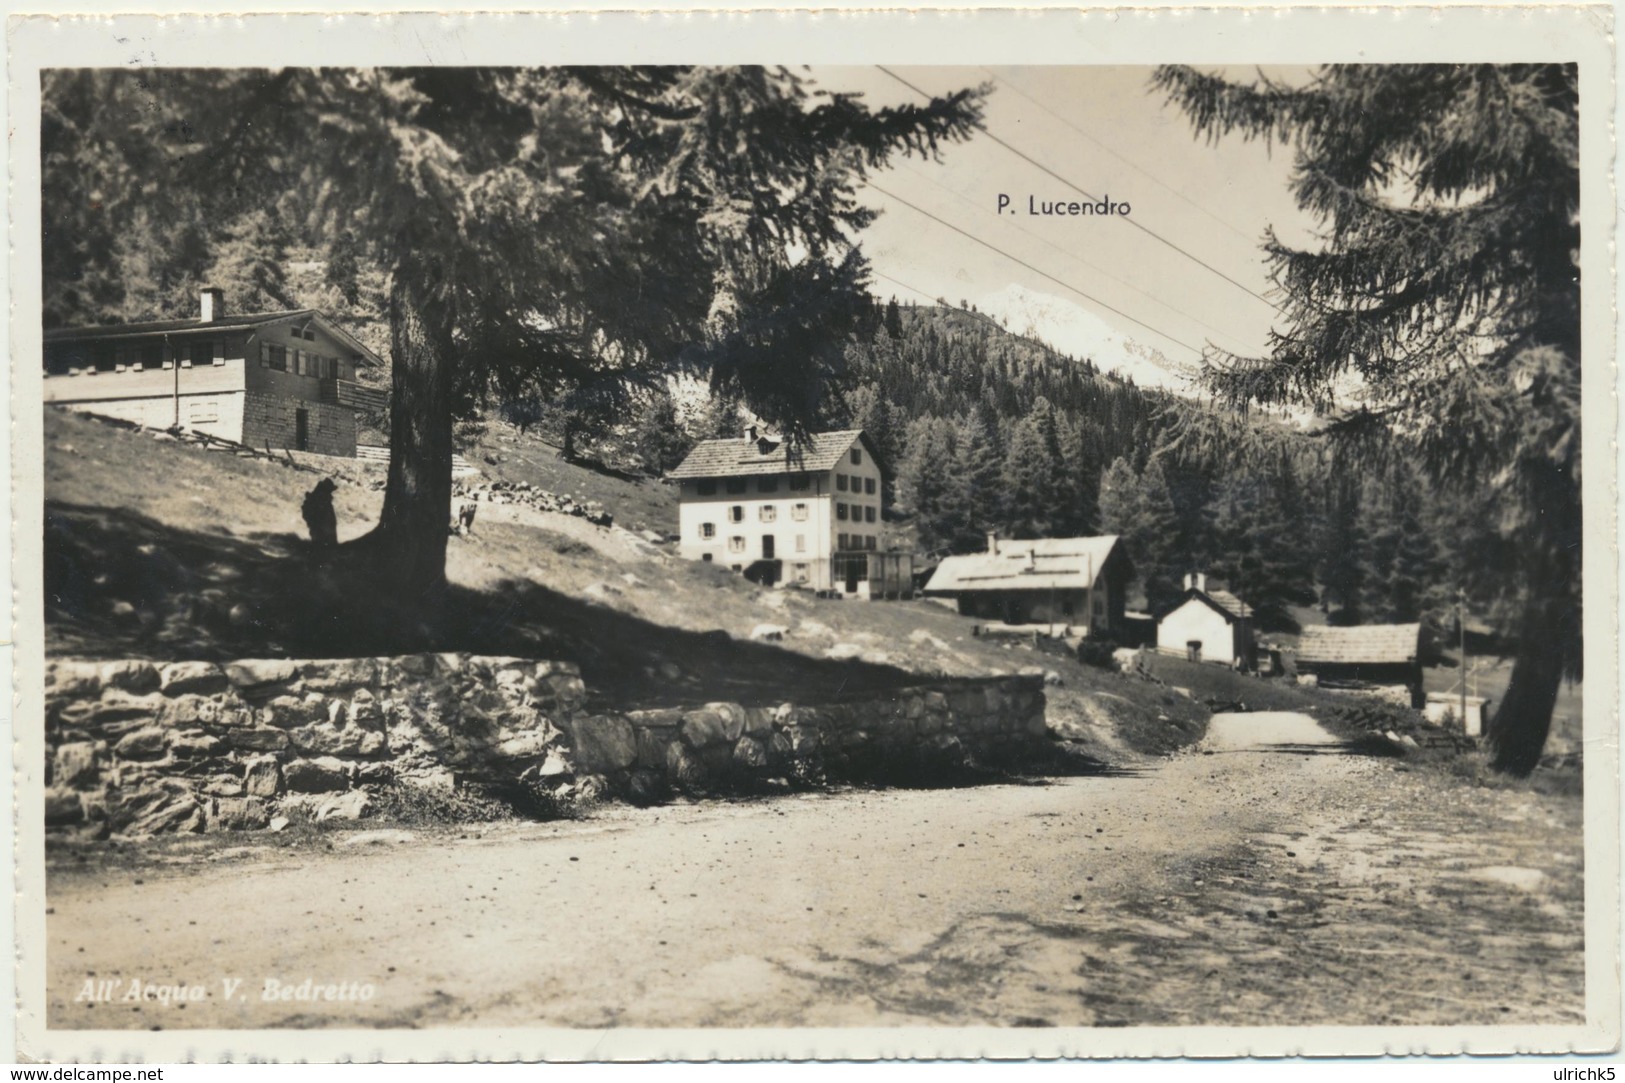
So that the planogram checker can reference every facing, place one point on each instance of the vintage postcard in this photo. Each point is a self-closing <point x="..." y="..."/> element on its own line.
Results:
<point x="613" y="536"/>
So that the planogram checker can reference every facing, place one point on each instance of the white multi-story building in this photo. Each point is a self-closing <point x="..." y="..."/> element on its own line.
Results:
<point x="807" y="514"/>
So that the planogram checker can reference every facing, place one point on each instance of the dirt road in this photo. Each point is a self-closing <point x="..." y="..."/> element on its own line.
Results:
<point x="1266" y="877"/>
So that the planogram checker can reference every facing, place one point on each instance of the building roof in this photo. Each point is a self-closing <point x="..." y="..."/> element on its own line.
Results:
<point x="1368" y="643"/>
<point x="1231" y="604"/>
<point x="1041" y="564"/>
<point x="1221" y="601"/>
<point x="741" y="457"/>
<point x="196" y="326"/>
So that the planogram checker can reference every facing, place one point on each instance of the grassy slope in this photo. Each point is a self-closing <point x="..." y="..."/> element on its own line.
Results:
<point x="206" y="551"/>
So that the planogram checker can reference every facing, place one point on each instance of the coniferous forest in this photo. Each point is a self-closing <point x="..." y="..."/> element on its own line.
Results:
<point x="991" y="431"/>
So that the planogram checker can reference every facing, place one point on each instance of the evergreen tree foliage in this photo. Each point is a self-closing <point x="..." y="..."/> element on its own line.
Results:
<point x="1258" y="555"/>
<point x="657" y="435"/>
<point x="543" y="229"/>
<point x="924" y="489"/>
<point x="249" y="263"/>
<point x="1445" y="291"/>
<point x="976" y="472"/>
<point x="1032" y="477"/>
<point x="1342" y="544"/>
<point x="1164" y="553"/>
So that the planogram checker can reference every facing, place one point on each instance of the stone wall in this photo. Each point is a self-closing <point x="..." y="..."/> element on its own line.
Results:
<point x="271" y="421"/>
<point x="137" y="748"/>
<point x="908" y="731"/>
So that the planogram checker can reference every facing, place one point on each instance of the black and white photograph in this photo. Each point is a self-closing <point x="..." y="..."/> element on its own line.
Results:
<point x="1072" y="550"/>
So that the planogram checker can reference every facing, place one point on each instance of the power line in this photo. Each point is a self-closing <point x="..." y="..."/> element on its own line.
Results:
<point x="996" y="77"/>
<point x="905" y="285"/>
<point x="1035" y="163"/>
<point x="1078" y="259"/>
<point x="1035" y="270"/>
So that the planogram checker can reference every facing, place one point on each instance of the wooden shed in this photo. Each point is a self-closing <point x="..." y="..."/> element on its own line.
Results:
<point x="1375" y="659"/>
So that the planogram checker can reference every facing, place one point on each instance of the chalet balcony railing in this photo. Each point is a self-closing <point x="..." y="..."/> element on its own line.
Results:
<point x="368" y="400"/>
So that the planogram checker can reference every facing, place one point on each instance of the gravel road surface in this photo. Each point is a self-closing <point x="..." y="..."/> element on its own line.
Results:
<point x="1266" y="877"/>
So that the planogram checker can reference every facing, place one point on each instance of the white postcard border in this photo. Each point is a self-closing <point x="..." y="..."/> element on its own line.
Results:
<point x="1262" y="34"/>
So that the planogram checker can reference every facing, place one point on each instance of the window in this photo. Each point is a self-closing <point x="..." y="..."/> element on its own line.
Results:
<point x="279" y="358"/>
<point x="767" y="485"/>
<point x="869" y="514"/>
<point x="736" y="485"/>
<point x="840" y="512"/>
<point x="736" y="514"/>
<point x="857" y="457"/>
<point x="869" y="486"/>
<point x="768" y="513"/>
<point x="706" y="486"/>
<point x="708" y="530"/>
<point x="798" y="512"/>
<point x="869" y="542"/>
<point x="801" y="543"/>
<point x="800" y="483"/>
<point x="706" y="557"/>
<point x="202" y="411"/>
<point x="801" y="573"/>
<point x="736" y="544"/>
<point x="840" y="483"/>
<point x="841" y="540"/>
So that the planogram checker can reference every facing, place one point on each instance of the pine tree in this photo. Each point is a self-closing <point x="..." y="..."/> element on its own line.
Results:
<point x="1344" y="552"/>
<point x="250" y="263"/>
<point x="1164" y="557"/>
<point x="545" y="230"/>
<point x="924" y="489"/>
<point x="657" y="435"/>
<point x="1032" y="478"/>
<point x="1447" y="279"/>
<point x="976" y="472"/>
<point x="1258" y="556"/>
<point x="894" y="320"/>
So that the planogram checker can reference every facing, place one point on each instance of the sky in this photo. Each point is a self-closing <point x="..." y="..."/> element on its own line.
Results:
<point x="1104" y="131"/>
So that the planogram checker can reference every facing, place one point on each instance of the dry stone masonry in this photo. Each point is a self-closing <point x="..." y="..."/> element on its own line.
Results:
<point x="139" y="748"/>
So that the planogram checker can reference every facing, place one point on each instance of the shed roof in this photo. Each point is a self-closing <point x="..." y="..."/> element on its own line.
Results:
<point x="1040" y="564"/>
<point x="245" y="321"/>
<point x="1368" y="643"/>
<point x="1230" y="603"/>
<point x="1223" y="602"/>
<point x="743" y="456"/>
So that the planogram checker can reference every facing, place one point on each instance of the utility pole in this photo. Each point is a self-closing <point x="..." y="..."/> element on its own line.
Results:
<point x="1461" y="632"/>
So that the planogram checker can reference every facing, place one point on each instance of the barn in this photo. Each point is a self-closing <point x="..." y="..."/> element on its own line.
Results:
<point x="1075" y="583"/>
<point x="1375" y="659"/>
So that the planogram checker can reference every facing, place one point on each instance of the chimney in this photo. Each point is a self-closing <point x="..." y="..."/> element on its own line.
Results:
<point x="1189" y="581"/>
<point x="1032" y="560"/>
<point x="993" y="543"/>
<point x="754" y="432"/>
<point x="1201" y="582"/>
<point x="212" y="304"/>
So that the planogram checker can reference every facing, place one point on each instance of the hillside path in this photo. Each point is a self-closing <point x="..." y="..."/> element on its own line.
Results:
<point x="1266" y="877"/>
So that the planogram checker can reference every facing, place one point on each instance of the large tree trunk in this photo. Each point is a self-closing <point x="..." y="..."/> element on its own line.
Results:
<point x="1517" y="734"/>
<point x="409" y="544"/>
